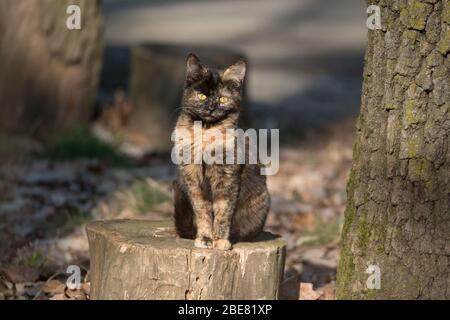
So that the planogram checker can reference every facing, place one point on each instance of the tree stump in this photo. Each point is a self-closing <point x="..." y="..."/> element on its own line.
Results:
<point x="144" y="260"/>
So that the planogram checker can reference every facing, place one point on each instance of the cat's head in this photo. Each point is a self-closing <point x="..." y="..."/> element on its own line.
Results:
<point x="212" y="95"/>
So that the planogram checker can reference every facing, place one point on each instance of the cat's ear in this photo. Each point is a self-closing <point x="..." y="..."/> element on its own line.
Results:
<point x="195" y="71"/>
<point x="236" y="72"/>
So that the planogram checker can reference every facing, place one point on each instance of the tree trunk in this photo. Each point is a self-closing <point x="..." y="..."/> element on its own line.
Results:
<point x="397" y="215"/>
<point x="49" y="74"/>
<point x="143" y="260"/>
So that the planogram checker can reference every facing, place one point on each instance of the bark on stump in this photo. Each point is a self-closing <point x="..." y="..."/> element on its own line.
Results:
<point x="156" y="87"/>
<point x="144" y="260"/>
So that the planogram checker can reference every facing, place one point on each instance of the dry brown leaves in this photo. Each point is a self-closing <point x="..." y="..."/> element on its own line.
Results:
<point x="293" y="289"/>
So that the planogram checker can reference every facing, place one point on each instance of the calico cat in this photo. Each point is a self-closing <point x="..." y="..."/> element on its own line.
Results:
<point x="217" y="203"/>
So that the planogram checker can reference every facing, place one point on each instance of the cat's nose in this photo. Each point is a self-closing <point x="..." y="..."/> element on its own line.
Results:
<point x="211" y="108"/>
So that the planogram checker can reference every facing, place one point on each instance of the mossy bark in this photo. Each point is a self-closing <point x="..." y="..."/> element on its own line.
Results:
<point x="398" y="212"/>
<point x="48" y="73"/>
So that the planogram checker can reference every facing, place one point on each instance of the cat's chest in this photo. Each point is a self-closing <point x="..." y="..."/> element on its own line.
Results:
<point x="203" y="140"/>
<point x="211" y="138"/>
<point x="204" y="176"/>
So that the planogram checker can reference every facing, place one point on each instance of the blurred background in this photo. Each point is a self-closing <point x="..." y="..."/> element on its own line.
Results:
<point x="86" y="117"/>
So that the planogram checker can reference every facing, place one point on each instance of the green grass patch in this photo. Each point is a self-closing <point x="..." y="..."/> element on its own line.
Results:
<point x="323" y="234"/>
<point x="68" y="220"/>
<point x="64" y="222"/>
<point x="147" y="194"/>
<point x="81" y="143"/>
<point x="296" y="196"/>
<point x="30" y="257"/>
<point x="3" y="220"/>
<point x="77" y="218"/>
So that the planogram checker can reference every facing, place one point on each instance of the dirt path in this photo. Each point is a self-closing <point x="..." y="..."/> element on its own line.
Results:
<point x="306" y="56"/>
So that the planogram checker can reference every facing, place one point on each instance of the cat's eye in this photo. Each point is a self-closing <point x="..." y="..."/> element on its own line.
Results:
<point x="201" y="96"/>
<point x="223" y="99"/>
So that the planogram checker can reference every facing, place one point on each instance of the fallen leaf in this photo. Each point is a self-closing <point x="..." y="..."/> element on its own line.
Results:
<point x="305" y="221"/>
<point x="76" y="294"/>
<point x="20" y="289"/>
<point x="307" y="292"/>
<point x="327" y="292"/>
<point x="31" y="289"/>
<point x="86" y="287"/>
<point x="20" y="274"/>
<point x="59" y="296"/>
<point x="302" y="240"/>
<point x="7" y="284"/>
<point x="6" y="288"/>
<point x="54" y="286"/>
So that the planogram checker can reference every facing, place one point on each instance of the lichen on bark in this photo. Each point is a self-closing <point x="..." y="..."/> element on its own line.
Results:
<point x="398" y="194"/>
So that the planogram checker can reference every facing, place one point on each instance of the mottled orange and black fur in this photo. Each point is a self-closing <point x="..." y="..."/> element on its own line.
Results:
<point x="218" y="203"/>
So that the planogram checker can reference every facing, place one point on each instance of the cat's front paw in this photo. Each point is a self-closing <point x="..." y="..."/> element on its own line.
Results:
<point x="203" y="242"/>
<point x="222" y="244"/>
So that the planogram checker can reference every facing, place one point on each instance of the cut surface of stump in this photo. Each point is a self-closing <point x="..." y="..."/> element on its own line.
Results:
<point x="139" y="259"/>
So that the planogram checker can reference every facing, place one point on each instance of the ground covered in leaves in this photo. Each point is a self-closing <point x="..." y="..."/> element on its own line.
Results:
<point x="46" y="200"/>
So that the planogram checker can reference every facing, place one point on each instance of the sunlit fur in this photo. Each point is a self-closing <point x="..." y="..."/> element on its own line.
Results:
<point x="216" y="204"/>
